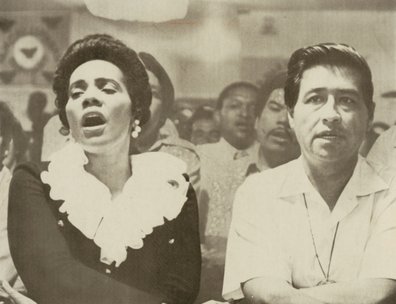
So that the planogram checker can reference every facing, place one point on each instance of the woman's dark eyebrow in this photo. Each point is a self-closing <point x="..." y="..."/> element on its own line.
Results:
<point x="101" y="82"/>
<point x="78" y="84"/>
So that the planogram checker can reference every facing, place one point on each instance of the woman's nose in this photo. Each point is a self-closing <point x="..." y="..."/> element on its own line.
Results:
<point x="92" y="98"/>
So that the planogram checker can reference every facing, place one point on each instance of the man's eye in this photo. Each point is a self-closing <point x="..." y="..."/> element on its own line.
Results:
<point x="346" y="100"/>
<point x="274" y="108"/>
<point x="314" y="99"/>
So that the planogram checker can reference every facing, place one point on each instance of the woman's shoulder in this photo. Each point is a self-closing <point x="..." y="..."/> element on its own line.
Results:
<point x="157" y="162"/>
<point x="32" y="168"/>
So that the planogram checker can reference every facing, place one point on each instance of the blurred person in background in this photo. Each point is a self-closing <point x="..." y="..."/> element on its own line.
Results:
<point x="278" y="143"/>
<point x="371" y="139"/>
<point x="223" y="169"/>
<point x="39" y="118"/>
<point x="203" y="127"/>
<point x="160" y="134"/>
<point x="13" y="145"/>
<point x="234" y="113"/>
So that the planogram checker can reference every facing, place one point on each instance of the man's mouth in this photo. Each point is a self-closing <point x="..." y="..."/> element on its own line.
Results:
<point x="242" y="125"/>
<point x="93" y="119"/>
<point x="329" y="135"/>
<point x="281" y="133"/>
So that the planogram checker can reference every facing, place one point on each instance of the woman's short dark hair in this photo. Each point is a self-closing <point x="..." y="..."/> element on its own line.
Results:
<point x="271" y="83"/>
<point x="107" y="48"/>
<point x="332" y="55"/>
<point x="167" y="90"/>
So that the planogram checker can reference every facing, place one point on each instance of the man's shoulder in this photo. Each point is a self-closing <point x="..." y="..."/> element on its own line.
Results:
<point x="208" y="148"/>
<point x="275" y="176"/>
<point x="264" y="187"/>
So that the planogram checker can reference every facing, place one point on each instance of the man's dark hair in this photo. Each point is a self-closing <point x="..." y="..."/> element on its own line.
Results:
<point x="107" y="48"/>
<point x="167" y="90"/>
<point x="226" y="91"/>
<point x="331" y="55"/>
<point x="202" y="113"/>
<point x="272" y="82"/>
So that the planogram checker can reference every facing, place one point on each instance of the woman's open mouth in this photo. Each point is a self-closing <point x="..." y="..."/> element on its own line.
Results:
<point x="93" y="121"/>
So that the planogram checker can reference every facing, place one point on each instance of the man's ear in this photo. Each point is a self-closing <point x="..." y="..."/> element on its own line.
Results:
<point x="256" y="123"/>
<point x="217" y="117"/>
<point x="371" y="117"/>
<point x="290" y="114"/>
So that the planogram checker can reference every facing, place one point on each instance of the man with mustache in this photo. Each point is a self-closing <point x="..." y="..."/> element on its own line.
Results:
<point x="319" y="229"/>
<point x="278" y="143"/>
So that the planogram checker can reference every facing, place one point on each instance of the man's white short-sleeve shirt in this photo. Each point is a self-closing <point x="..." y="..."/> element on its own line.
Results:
<point x="270" y="233"/>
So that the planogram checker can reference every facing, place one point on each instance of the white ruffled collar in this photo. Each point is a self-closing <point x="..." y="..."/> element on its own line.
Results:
<point x="156" y="190"/>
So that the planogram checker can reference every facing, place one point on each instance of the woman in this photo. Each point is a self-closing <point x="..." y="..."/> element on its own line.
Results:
<point x="96" y="226"/>
<point x="160" y="134"/>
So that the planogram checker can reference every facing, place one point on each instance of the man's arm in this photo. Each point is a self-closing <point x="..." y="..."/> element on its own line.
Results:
<point x="271" y="290"/>
<point x="368" y="291"/>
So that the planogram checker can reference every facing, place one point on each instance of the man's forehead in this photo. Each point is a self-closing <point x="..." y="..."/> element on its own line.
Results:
<point x="278" y="96"/>
<point x="243" y="94"/>
<point x="324" y="76"/>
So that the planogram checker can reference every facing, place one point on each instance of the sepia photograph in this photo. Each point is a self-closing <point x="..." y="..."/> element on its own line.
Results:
<point x="197" y="151"/>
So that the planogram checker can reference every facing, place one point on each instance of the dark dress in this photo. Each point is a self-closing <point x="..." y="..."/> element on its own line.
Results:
<point x="58" y="264"/>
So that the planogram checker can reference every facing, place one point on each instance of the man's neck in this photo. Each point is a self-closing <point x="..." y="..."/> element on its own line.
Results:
<point x="330" y="179"/>
<point x="239" y="145"/>
<point x="273" y="159"/>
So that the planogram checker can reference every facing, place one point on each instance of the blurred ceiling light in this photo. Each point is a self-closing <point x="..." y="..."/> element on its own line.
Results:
<point x="215" y="42"/>
<point x="138" y="10"/>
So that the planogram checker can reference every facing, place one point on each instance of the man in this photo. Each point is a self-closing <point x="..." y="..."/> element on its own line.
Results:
<point x="223" y="168"/>
<point x="319" y="229"/>
<point x="203" y="127"/>
<point x="234" y="113"/>
<point x="278" y="143"/>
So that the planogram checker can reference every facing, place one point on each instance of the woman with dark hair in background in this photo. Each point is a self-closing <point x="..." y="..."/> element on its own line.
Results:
<point x="160" y="134"/>
<point x="96" y="225"/>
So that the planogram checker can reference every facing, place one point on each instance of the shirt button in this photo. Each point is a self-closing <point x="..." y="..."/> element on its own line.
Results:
<point x="60" y="223"/>
<point x="108" y="271"/>
<point x="171" y="241"/>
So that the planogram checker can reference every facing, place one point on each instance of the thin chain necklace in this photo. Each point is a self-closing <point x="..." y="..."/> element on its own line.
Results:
<point x="326" y="279"/>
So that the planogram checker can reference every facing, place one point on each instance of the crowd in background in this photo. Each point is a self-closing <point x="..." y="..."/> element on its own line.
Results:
<point x="245" y="132"/>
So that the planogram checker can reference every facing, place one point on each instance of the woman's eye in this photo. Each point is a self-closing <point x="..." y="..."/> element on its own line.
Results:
<point x="75" y="95"/>
<point x="109" y="90"/>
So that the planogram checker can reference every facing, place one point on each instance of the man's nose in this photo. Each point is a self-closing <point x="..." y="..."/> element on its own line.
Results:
<point x="283" y="119"/>
<point x="330" y="112"/>
<point x="246" y="111"/>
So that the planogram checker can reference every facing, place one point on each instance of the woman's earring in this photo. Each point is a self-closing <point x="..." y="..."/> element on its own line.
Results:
<point x="64" y="131"/>
<point x="136" y="129"/>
